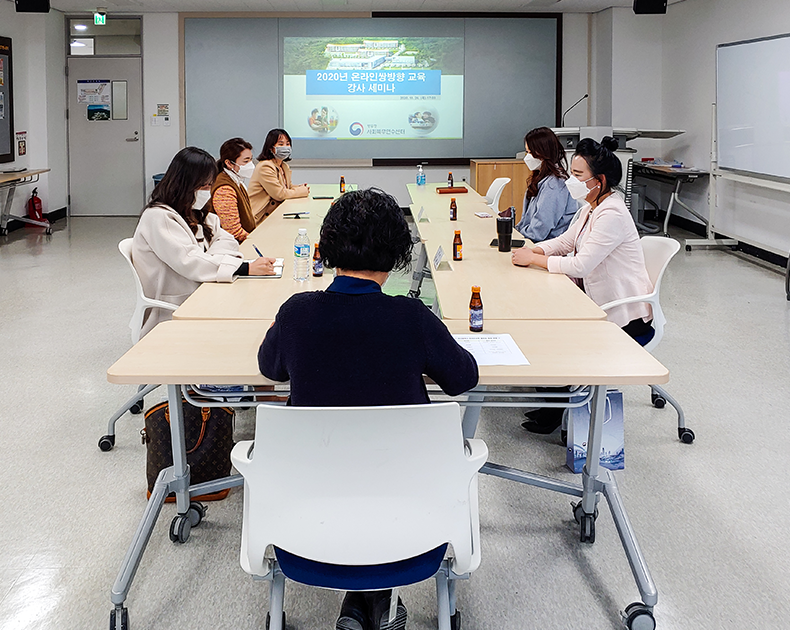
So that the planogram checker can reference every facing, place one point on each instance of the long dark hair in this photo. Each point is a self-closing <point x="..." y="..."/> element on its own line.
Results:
<point x="190" y="169"/>
<point x="231" y="150"/>
<point x="543" y="144"/>
<point x="602" y="162"/>
<point x="267" y="152"/>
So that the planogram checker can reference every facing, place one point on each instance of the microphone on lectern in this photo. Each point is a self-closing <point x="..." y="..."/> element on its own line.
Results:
<point x="571" y="107"/>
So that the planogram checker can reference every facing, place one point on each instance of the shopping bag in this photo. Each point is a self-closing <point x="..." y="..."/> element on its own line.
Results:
<point x="612" y="440"/>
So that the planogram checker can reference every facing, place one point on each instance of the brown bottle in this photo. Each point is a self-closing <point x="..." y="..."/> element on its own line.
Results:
<point x="476" y="311"/>
<point x="453" y="210"/>
<point x="318" y="264"/>
<point x="450" y="179"/>
<point x="342" y="184"/>
<point x="458" y="249"/>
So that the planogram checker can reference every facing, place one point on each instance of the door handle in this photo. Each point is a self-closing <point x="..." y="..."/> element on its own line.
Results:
<point x="135" y="138"/>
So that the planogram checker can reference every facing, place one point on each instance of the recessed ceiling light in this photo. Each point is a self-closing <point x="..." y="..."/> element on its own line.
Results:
<point x="80" y="27"/>
<point x="77" y="44"/>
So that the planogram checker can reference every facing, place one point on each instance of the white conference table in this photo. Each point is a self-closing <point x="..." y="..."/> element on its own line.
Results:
<point x="590" y="353"/>
<point x="9" y="182"/>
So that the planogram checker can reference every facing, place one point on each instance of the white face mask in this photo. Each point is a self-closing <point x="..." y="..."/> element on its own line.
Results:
<point x="245" y="170"/>
<point x="202" y="197"/>
<point x="578" y="189"/>
<point x="282" y="153"/>
<point x="533" y="163"/>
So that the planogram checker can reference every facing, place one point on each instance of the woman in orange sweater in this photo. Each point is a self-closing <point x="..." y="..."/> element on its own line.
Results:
<point x="229" y="198"/>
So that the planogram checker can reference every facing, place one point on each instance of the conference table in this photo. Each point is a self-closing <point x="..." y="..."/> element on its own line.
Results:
<point x="215" y="334"/>
<point x="9" y="182"/>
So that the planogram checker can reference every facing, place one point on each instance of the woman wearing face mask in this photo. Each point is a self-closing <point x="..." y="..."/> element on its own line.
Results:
<point x="606" y="257"/>
<point x="270" y="184"/>
<point x="548" y="206"/>
<point x="229" y="198"/>
<point x="178" y="244"/>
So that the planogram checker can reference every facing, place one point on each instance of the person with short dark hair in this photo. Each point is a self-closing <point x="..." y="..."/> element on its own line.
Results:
<point x="601" y="251"/>
<point x="352" y="345"/>
<point x="178" y="243"/>
<point x="229" y="198"/>
<point x="548" y="206"/>
<point x="270" y="184"/>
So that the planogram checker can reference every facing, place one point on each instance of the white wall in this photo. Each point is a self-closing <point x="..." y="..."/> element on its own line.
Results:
<point x="160" y="85"/>
<point x="575" y="67"/>
<point x="39" y="58"/>
<point x="692" y="30"/>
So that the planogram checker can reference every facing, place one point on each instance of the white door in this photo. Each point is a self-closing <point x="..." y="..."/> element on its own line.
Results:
<point x="105" y="111"/>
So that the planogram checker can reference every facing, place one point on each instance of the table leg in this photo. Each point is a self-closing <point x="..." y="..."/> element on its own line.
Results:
<point x="6" y="211"/>
<point x="471" y="416"/>
<point x="672" y="199"/>
<point x="418" y="271"/>
<point x="592" y="466"/>
<point x="180" y="466"/>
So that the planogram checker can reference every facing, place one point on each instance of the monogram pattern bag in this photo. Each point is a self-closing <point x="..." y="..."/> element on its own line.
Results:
<point x="209" y="441"/>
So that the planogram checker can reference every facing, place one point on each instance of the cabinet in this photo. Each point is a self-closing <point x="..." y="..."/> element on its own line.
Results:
<point x="483" y="172"/>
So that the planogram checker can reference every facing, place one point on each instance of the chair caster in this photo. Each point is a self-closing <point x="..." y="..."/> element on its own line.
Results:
<point x="180" y="528"/>
<point x="688" y="248"/>
<point x="455" y="621"/>
<point x="119" y="619"/>
<point x="269" y="620"/>
<point x="48" y="231"/>
<point x="686" y="435"/>
<point x="3" y="231"/>
<point x="637" y="616"/>
<point x="659" y="402"/>
<point x="196" y="513"/>
<point x="137" y="407"/>
<point x="106" y="442"/>
<point x="586" y="523"/>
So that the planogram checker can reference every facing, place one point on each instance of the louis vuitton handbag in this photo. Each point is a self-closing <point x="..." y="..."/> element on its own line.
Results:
<point x="209" y="441"/>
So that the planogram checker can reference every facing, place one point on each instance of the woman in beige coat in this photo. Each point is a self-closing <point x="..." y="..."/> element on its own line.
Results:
<point x="178" y="245"/>
<point x="270" y="184"/>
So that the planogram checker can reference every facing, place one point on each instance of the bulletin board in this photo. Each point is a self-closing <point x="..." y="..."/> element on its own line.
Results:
<point x="6" y="103"/>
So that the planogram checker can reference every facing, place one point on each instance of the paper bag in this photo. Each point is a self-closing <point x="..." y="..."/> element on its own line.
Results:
<point x="612" y="441"/>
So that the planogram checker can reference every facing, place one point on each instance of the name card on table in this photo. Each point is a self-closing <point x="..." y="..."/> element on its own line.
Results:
<point x="422" y="212"/>
<point x="437" y="259"/>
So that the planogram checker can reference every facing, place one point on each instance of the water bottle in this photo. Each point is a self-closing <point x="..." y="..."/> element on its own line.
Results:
<point x="302" y="255"/>
<point x="420" y="175"/>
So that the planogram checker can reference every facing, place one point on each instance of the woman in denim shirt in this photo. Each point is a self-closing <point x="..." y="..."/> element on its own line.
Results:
<point x="548" y="207"/>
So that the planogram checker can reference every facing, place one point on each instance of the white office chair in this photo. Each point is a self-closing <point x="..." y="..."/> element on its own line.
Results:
<point x="339" y="492"/>
<point x="658" y="252"/>
<point x="495" y="192"/>
<point x="134" y="404"/>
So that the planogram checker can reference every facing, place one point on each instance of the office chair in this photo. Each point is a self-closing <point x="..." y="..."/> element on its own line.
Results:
<point x="658" y="252"/>
<point x="495" y="192"/>
<point x="360" y="499"/>
<point x="135" y="403"/>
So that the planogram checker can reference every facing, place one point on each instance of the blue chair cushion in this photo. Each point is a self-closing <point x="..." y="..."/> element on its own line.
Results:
<point x="360" y="578"/>
<point x="645" y="339"/>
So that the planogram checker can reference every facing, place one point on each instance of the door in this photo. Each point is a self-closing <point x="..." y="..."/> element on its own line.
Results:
<point x="105" y="111"/>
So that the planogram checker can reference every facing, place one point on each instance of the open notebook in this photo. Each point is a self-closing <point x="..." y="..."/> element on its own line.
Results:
<point x="278" y="270"/>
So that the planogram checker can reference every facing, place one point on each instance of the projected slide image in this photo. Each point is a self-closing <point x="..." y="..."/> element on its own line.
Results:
<point x="361" y="88"/>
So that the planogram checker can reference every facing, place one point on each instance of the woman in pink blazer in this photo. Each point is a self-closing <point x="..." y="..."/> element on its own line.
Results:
<point x="601" y="250"/>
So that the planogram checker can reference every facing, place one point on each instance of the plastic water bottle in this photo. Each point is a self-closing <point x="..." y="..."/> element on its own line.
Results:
<point x="302" y="255"/>
<point x="420" y="175"/>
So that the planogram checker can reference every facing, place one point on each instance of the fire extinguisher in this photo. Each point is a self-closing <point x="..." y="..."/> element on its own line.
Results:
<point x="34" y="207"/>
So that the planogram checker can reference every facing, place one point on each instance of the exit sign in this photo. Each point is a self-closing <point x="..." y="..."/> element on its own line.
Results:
<point x="100" y="19"/>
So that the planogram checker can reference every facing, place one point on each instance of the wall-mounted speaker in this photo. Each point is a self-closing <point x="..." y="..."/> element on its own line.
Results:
<point x="32" y="6"/>
<point x="648" y="7"/>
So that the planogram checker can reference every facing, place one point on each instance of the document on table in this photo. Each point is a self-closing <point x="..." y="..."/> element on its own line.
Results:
<point x="492" y="349"/>
<point x="278" y="269"/>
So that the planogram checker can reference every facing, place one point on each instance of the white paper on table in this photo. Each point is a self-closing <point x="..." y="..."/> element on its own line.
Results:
<point x="492" y="349"/>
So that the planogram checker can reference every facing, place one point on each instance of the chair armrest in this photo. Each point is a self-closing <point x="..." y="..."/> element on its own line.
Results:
<point x="160" y="304"/>
<point x="240" y="455"/>
<point x="478" y="452"/>
<point x="651" y="298"/>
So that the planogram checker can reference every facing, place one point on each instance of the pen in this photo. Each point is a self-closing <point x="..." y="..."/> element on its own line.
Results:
<point x="257" y="251"/>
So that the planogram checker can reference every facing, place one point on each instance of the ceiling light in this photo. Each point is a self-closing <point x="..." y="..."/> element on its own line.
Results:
<point x="80" y="27"/>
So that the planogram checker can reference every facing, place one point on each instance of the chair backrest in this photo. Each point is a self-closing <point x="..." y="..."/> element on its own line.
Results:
<point x="658" y="251"/>
<point x="495" y="192"/>
<point x="359" y="485"/>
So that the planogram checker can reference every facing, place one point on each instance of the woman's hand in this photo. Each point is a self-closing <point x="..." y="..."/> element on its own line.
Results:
<point x="303" y="190"/>
<point x="523" y="257"/>
<point x="263" y="266"/>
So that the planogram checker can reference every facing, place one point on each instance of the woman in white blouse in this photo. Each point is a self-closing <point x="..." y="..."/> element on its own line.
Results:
<point x="178" y="245"/>
<point x="600" y="250"/>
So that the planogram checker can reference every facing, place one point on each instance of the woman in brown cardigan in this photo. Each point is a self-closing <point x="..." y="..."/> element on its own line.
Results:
<point x="270" y="184"/>
<point x="229" y="198"/>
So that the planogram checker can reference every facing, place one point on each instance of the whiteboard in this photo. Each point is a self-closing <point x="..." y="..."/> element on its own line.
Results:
<point x="753" y="106"/>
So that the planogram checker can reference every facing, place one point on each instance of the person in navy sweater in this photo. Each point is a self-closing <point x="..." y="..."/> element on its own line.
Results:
<point x="352" y="345"/>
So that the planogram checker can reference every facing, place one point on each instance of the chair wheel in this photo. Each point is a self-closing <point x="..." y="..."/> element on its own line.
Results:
<point x="578" y="512"/>
<point x="119" y="619"/>
<point x="659" y="402"/>
<point x="48" y="231"/>
<point x="587" y="529"/>
<point x="180" y="527"/>
<point x="106" y="442"/>
<point x="3" y="231"/>
<point x="455" y="621"/>
<point x="137" y="407"/>
<point x="269" y="619"/>
<point x="637" y="616"/>
<point x="686" y="436"/>
<point x="688" y="248"/>
<point x="196" y="513"/>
